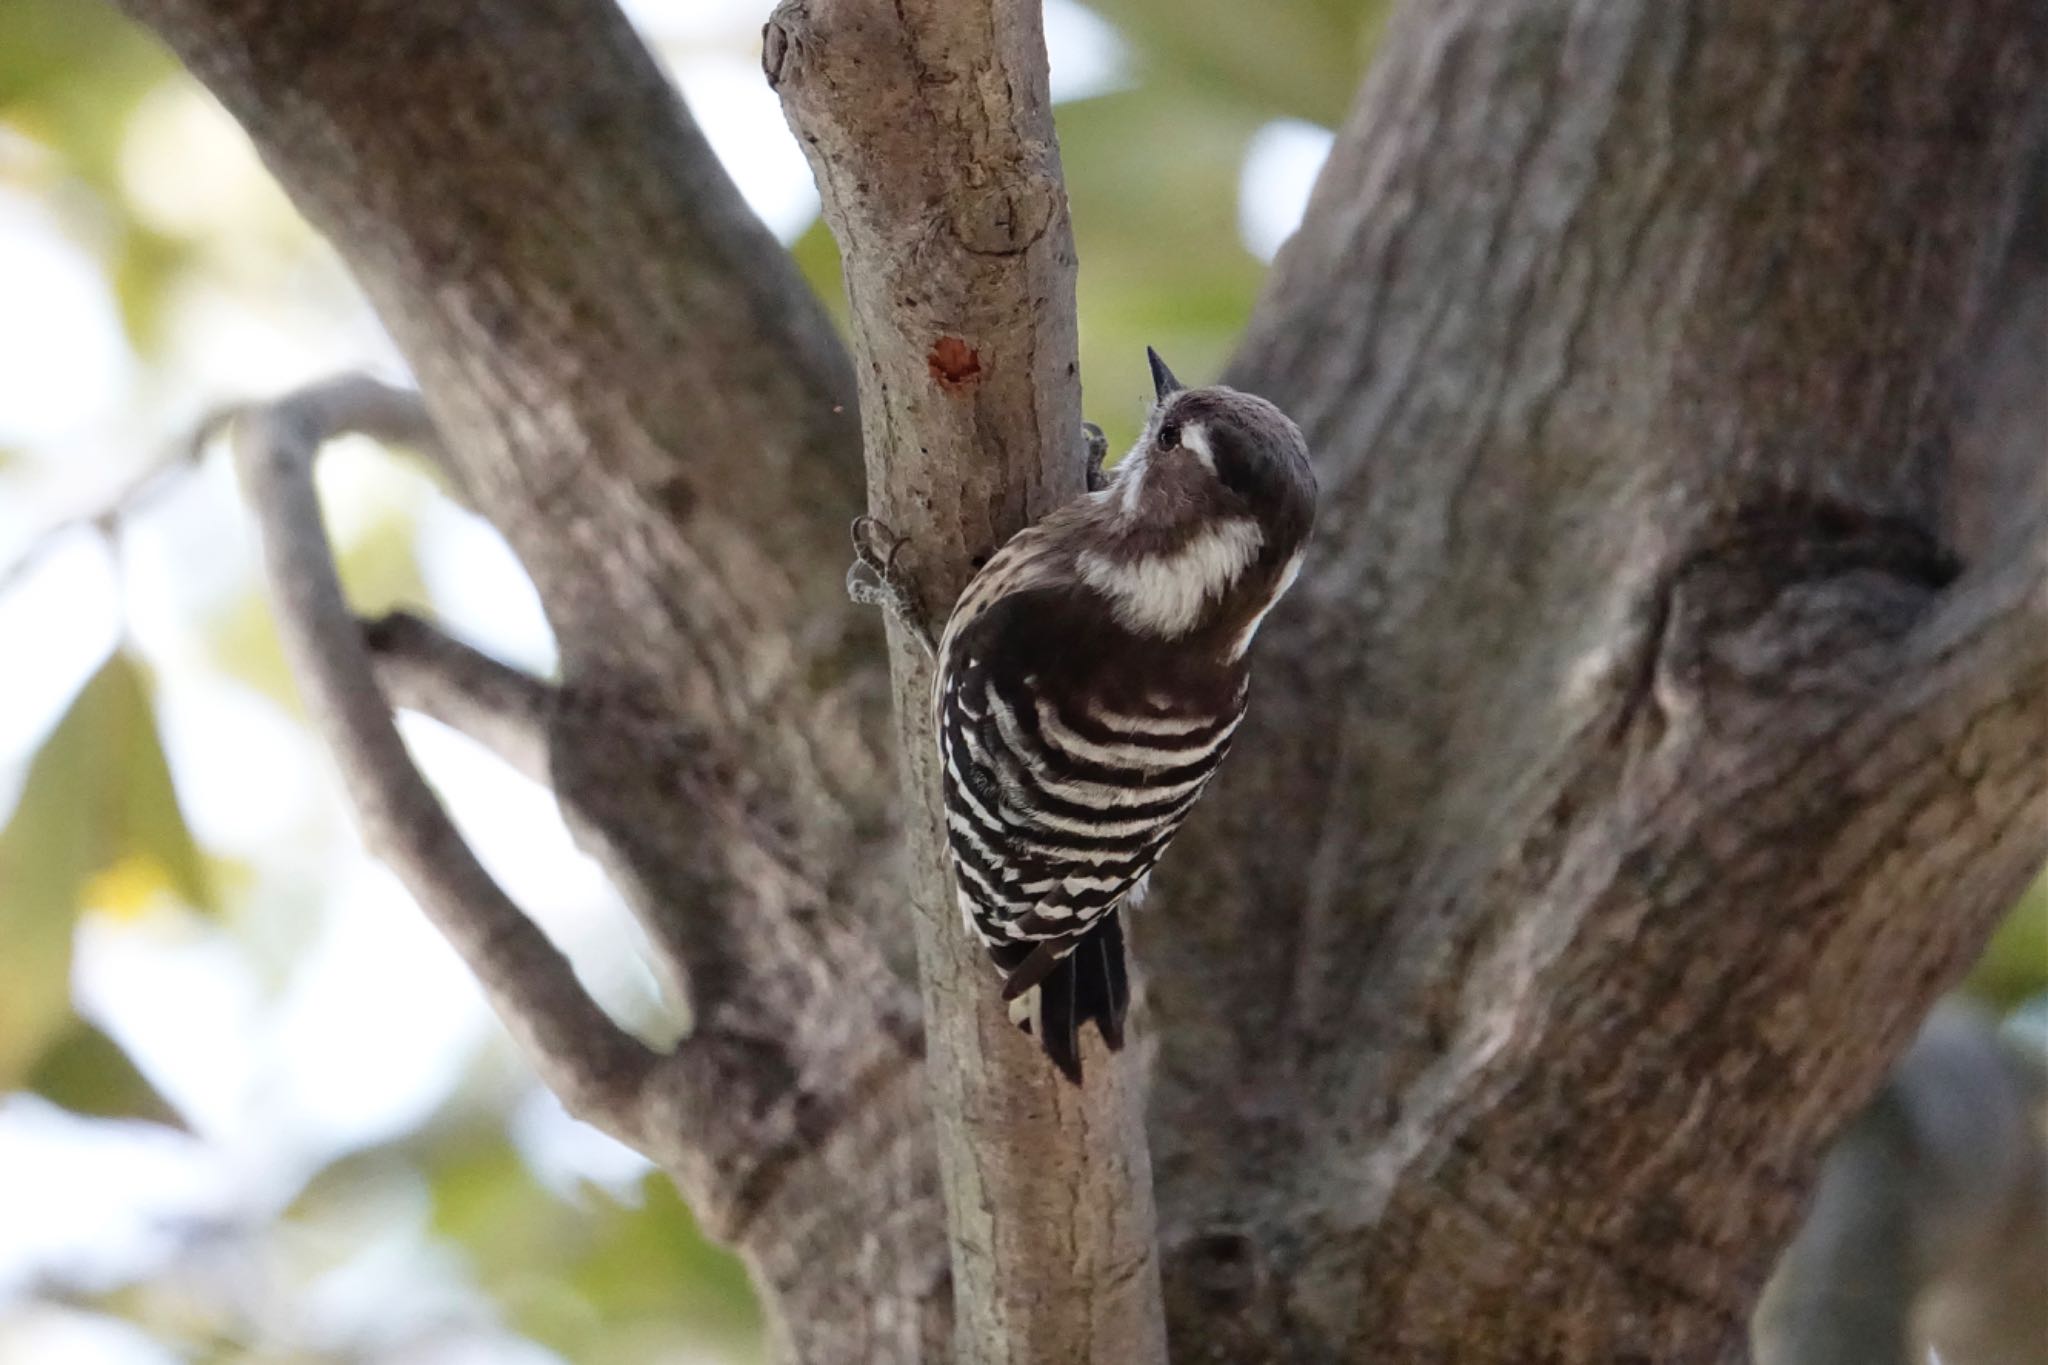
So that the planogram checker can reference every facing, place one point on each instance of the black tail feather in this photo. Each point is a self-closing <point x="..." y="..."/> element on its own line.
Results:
<point x="1090" y="983"/>
<point x="1059" y="1026"/>
<point x="1113" y="1000"/>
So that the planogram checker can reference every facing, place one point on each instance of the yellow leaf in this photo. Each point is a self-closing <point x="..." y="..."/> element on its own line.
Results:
<point x="128" y="888"/>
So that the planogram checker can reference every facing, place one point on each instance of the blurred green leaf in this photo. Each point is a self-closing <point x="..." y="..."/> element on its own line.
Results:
<point x="98" y="819"/>
<point x="1162" y="261"/>
<point x="380" y="566"/>
<point x="149" y="825"/>
<point x="1283" y="58"/>
<point x="42" y="858"/>
<point x="652" y="1262"/>
<point x="592" y="1278"/>
<point x="817" y="256"/>
<point x="242" y="639"/>
<point x="71" y="72"/>
<point x="2015" y="963"/>
<point x="72" y="75"/>
<point x="145" y="265"/>
<point x="485" y="1200"/>
<point x="87" y="1072"/>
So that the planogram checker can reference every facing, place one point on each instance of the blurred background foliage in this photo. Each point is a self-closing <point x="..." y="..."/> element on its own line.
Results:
<point x="250" y="1109"/>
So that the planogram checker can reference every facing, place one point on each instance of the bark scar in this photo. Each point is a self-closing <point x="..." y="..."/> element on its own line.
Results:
<point x="954" y="364"/>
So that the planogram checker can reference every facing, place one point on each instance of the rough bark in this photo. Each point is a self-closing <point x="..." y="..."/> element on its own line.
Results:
<point x="631" y="378"/>
<point x="1660" y="723"/>
<point x="1636" y="761"/>
<point x="929" y="128"/>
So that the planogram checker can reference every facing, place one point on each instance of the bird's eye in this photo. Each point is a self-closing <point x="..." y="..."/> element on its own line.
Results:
<point x="1169" y="436"/>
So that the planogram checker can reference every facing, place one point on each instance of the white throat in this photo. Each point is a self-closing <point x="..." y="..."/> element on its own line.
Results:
<point x="1165" y="594"/>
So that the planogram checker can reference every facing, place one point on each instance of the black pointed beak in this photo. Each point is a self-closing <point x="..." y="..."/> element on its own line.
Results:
<point x="1163" y="381"/>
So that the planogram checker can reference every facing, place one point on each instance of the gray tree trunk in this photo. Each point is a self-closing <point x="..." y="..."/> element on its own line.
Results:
<point x="1659" y="726"/>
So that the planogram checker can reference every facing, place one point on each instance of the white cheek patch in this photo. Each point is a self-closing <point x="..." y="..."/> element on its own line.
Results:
<point x="1194" y="437"/>
<point x="1251" y="628"/>
<point x="1130" y="482"/>
<point x="1164" y="594"/>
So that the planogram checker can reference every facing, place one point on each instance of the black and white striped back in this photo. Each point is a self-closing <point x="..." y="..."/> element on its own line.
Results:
<point x="1064" y="783"/>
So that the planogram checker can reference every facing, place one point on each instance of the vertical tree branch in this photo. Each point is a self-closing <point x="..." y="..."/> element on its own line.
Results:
<point x="930" y="129"/>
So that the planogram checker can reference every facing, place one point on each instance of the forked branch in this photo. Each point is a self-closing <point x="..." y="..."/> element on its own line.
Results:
<point x="588" y="1060"/>
<point x="422" y="668"/>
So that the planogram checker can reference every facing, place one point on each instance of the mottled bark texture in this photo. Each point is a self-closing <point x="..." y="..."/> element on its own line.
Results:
<point x="634" y="385"/>
<point x="1638" y="758"/>
<point x="1657" y="729"/>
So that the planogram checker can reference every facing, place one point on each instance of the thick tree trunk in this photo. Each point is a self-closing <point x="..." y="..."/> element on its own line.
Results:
<point x="637" y="388"/>
<point x="1660" y="723"/>
<point x="1636" y="762"/>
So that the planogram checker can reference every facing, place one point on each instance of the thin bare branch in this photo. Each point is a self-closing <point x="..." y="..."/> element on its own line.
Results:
<point x="360" y="405"/>
<point x="382" y="411"/>
<point x="105" y="517"/>
<point x="422" y="668"/>
<point x="597" y="1069"/>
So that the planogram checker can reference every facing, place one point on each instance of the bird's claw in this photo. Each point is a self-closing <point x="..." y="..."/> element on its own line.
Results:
<point x="875" y="580"/>
<point x="1098" y="451"/>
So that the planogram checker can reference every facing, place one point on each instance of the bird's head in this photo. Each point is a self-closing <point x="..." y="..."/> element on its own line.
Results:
<point x="1216" y="453"/>
<point x="1202" y="528"/>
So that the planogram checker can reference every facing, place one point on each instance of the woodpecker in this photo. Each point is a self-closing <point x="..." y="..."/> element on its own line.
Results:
<point x="1089" y="681"/>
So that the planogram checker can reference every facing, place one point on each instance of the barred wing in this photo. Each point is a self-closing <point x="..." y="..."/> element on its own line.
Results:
<point x="1058" y="806"/>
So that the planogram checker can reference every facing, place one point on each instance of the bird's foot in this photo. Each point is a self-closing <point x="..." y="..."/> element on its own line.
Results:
<point x="875" y="579"/>
<point x="1098" y="450"/>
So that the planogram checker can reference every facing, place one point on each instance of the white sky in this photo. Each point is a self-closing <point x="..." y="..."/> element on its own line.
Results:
<point x="257" y="1032"/>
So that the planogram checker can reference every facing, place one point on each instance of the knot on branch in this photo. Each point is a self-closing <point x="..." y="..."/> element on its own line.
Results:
<point x="1222" y="1275"/>
<point x="1795" y="602"/>
<point x="1006" y="213"/>
<point x="1224" y="1266"/>
<point x="776" y="43"/>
